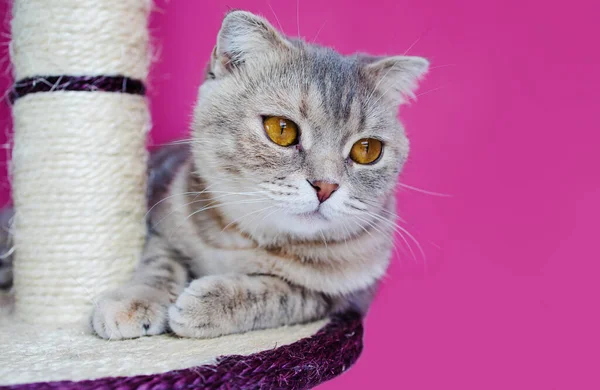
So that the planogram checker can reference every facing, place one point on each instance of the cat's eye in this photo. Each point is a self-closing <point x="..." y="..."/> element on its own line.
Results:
<point x="366" y="150"/>
<point x="282" y="131"/>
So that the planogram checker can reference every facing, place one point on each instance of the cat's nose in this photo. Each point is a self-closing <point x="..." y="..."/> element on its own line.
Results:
<point x="324" y="189"/>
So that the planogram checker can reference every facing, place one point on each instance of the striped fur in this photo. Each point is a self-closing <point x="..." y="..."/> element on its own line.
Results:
<point x="237" y="239"/>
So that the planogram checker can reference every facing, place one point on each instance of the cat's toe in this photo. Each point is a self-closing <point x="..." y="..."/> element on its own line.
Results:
<point x="186" y="317"/>
<point x="120" y="315"/>
<point x="197" y="311"/>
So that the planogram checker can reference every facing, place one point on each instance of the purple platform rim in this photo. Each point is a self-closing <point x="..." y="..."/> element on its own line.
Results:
<point x="300" y="365"/>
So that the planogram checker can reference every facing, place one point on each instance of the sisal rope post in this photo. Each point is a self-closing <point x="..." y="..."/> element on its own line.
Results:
<point x="79" y="159"/>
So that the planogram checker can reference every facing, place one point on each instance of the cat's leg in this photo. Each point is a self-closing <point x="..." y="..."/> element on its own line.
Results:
<point x="6" y="262"/>
<point x="140" y="308"/>
<point x="223" y="304"/>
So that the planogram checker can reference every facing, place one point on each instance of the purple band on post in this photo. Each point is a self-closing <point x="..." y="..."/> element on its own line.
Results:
<point x="118" y="84"/>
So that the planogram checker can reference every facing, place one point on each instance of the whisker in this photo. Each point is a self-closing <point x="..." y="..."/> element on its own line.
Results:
<point x="324" y="239"/>
<point x="244" y="216"/>
<point x="363" y="228"/>
<point x="235" y="193"/>
<point x="348" y="235"/>
<point x="399" y="229"/>
<point x="368" y="99"/>
<point x="424" y="191"/>
<point x="412" y="45"/>
<point x="169" y="197"/>
<point x="384" y="92"/>
<point x="198" y="193"/>
<point x="224" y="204"/>
<point x="319" y="31"/>
<point x="393" y="215"/>
<point x="209" y="207"/>
<point x="182" y="142"/>
<point x="298" y="16"/>
<point x="441" y="66"/>
<point x="429" y="91"/>
<point x="394" y="246"/>
<point x="274" y="14"/>
<point x="390" y="223"/>
<point x="372" y="225"/>
<point x="412" y="252"/>
<point x="267" y="215"/>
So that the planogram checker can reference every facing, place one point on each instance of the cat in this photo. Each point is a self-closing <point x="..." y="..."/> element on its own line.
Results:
<point x="280" y="208"/>
<point x="6" y="262"/>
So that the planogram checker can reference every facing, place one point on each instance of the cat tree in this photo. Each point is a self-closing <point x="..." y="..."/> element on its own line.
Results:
<point x="78" y="174"/>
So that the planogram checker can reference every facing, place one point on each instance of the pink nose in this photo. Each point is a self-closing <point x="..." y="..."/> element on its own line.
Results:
<point x="324" y="189"/>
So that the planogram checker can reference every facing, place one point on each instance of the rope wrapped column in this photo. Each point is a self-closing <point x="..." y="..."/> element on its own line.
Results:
<point x="79" y="160"/>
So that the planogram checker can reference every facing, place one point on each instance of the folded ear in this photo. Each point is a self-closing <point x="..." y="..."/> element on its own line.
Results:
<point x="244" y="38"/>
<point x="397" y="77"/>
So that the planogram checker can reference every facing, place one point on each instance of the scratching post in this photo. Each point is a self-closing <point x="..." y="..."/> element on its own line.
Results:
<point x="79" y="159"/>
<point x="78" y="175"/>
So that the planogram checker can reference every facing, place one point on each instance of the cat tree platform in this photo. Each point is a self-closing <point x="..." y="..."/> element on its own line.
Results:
<point x="78" y="179"/>
<point x="69" y="357"/>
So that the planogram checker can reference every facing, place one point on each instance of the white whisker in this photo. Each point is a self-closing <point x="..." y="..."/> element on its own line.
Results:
<point x="363" y="228"/>
<point x="267" y="215"/>
<point x="209" y="207"/>
<point x="411" y="46"/>
<point x="224" y="204"/>
<point x="368" y="99"/>
<point x="298" y="16"/>
<point x="189" y="141"/>
<point x="348" y="236"/>
<point x="441" y="66"/>
<point x="319" y="31"/>
<point x="424" y="191"/>
<point x="324" y="239"/>
<point x="198" y="193"/>
<point x="429" y="91"/>
<point x="274" y="14"/>
<point x="399" y="229"/>
<point x="244" y="216"/>
<point x="169" y="197"/>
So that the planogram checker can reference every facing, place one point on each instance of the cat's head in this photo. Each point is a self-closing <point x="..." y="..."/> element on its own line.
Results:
<point x="296" y="140"/>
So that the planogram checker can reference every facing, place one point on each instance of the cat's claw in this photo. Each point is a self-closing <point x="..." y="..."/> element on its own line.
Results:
<point x="130" y="312"/>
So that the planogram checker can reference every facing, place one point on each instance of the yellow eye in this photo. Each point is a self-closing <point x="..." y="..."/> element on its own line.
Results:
<point x="366" y="150"/>
<point x="282" y="131"/>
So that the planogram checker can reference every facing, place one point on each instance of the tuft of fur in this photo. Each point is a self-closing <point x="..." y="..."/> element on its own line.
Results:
<point x="237" y="237"/>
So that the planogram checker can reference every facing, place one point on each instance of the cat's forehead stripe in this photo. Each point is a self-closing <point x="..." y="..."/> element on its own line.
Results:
<point x="336" y="78"/>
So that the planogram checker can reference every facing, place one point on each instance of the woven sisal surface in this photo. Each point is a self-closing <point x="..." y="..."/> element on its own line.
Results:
<point x="78" y="168"/>
<point x="80" y="37"/>
<point x="35" y="353"/>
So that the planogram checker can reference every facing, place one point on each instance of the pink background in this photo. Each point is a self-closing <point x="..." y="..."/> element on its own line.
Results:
<point x="506" y="123"/>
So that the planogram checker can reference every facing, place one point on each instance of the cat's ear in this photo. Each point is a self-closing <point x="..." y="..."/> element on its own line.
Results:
<point x="245" y="38"/>
<point x="397" y="77"/>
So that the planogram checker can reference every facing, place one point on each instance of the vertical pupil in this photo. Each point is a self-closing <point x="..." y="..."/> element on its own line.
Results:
<point x="282" y="125"/>
<point x="365" y="145"/>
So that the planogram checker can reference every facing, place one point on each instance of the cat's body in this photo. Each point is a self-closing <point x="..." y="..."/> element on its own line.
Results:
<point x="246" y="284"/>
<point x="247" y="230"/>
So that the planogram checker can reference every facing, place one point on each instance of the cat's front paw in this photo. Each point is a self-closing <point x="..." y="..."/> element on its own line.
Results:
<point x="130" y="312"/>
<point x="204" y="308"/>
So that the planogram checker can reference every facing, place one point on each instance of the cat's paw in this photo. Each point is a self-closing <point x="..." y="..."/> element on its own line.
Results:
<point x="130" y="312"/>
<point x="204" y="308"/>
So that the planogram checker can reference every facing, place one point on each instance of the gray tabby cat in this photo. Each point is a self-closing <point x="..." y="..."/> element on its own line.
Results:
<point x="280" y="209"/>
<point x="6" y="262"/>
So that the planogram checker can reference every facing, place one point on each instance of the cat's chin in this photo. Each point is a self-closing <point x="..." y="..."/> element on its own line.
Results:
<point x="311" y="216"/>
<point x="313" y="225"/>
